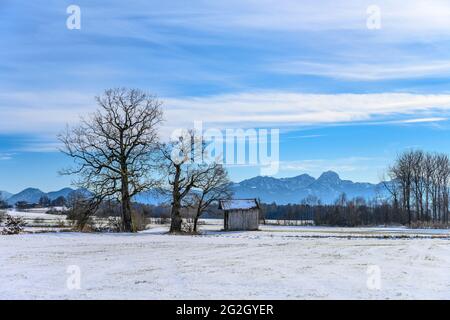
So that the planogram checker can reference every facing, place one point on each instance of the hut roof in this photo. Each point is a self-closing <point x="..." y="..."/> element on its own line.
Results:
<point x="238" y="204"/>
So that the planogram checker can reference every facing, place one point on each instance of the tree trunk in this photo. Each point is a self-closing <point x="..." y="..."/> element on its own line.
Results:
<point x="197" y="216"/>
<point x="175" y="215"/>
<point x="176" y="220"/>
<point x="127" y="225"/>
<point x="195" y="223"/>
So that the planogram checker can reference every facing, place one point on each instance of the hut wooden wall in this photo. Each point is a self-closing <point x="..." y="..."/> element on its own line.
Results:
<point x="242" y="220"/>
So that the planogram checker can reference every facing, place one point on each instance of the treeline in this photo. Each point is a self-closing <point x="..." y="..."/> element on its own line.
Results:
<point x="4" y="204"/>
<point x="344" y="212"/>
<point x="417" y="194"/>
<point x="43" y="202"/>
<point x="419" y="186"/>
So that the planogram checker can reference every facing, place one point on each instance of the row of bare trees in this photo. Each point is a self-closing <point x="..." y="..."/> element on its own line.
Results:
<point x="419" y="186"/>
<point x="118" y="154"/>
<point x="344" y="212"/>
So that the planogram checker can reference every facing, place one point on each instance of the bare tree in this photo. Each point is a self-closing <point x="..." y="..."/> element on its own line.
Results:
<point x="418" y="158"/>
<point x="402" y="171"/>
<point x="184" y="165"/>
<point x="442" y="179"/>
<point x="428" y="169"/>
<point x="423" y="180"/>
<point x="212" y="186"/>
<point x="394" y="189"/>
<point x="112" y="148"/>
<point x="180" y="171"/>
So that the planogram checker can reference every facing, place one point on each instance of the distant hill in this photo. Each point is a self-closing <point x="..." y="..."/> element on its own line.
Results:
<point x="30" y="195"/>
<point x="63" y="192"/>
<point x="327" y="188"/>
<point x="152" y="197"/>
<point x="5" y="195"/>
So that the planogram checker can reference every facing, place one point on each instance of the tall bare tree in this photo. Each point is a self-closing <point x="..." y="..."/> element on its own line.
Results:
<point x="112" y="147"/>
<point x="423" y="180"/>
<point x="418" y="179"/>
<point x="428" y="170"/>
<point x="403" y="173"/>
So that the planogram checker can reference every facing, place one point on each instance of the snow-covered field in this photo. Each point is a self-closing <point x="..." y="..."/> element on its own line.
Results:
<point x="277" y="263"/>
<point x="38" y="220"/>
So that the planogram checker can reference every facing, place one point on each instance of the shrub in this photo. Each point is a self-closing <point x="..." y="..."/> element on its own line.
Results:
<point x="13" y="225"/>
<point x="113" y="224"/>
<point x="80" y="217"/>
<point x="188" y="226"/>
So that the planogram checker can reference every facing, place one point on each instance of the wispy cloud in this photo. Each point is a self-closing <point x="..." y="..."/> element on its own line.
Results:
<point x="307" y="136"/>
<point x="422" y="120"/>
<point x="6" y="156"/>
<point x="343" y="165"/>
<point x="294" y="15"/>
<point x="366" y="72"/>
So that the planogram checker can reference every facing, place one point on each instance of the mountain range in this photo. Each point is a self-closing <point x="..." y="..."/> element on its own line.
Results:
<point x="32" y="195"/>
<point x="328" y="187"/>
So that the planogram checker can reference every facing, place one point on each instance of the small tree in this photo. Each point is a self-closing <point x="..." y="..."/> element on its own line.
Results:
<point x="44" y="201"/>
<point x="59" y="202"/>
<point x="81" y="208"/>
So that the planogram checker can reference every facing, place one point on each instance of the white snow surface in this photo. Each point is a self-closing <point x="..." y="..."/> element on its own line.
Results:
<point x="274" y="263"/>
<point x="238" y="204"/>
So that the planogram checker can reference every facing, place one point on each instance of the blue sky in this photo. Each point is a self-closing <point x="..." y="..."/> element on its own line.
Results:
<point x="345" y="97"/>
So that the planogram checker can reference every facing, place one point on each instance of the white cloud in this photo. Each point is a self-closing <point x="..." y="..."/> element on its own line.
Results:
<point x="286" y="109"/>
<point x="423" y="120"/>
<point x="44" y="112"/>
<point x="47" y="113"/>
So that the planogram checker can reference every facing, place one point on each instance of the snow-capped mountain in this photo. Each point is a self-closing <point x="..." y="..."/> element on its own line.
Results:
<point x="328" y="187"/>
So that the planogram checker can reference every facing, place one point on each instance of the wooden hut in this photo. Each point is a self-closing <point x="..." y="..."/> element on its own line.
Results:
<point x="240" y="214"/>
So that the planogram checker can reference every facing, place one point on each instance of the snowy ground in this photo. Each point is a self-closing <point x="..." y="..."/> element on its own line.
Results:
<point x="37" y="220"/>
<point x="277" y="263"/>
